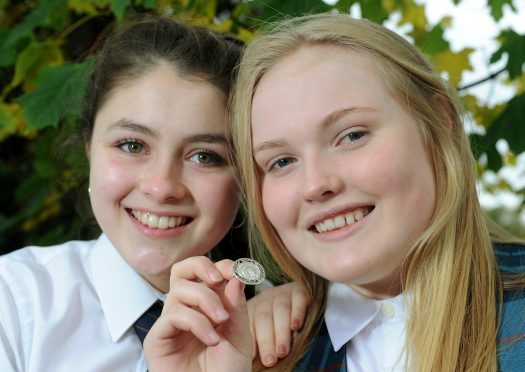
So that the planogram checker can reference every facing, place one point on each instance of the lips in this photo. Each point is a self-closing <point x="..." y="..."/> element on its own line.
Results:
<point x="341" y="220"/>
<point x="159" y="222"/>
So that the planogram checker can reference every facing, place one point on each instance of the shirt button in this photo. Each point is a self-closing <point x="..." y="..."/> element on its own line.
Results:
<point x="388" y="310"/>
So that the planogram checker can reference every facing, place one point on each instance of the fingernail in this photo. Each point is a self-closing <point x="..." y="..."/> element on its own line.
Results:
<point x="214" y="337"/>
<point x="282" y="350"/>
<point x="222" y="314"/>
<point x="296" y="325"/>
<point x="215" y="276"/>
<point x="269" y="360"/>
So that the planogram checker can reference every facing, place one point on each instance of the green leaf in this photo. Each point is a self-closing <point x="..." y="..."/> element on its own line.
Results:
<point x="496" y="7"/>
<point x="9" y="121"/>
<point x="119" y="7"/>
<point x="33" y="57"/>
<point x="433" y="41"/>
<point x="148" y="4"/>
<point x="82" y="6"/>
<point x="482" y="145"/>
<point x="373" y="10"/>
<point x="415" y="15"/>
<point x="59" y="91"/>
<point x="271" y="10"/>
<point x="40" y="16"/>
<point x="7" y="54"/>
<point x="508" y="126"/>
<point x="453" y="63"/>
<point x="513" y="45"/>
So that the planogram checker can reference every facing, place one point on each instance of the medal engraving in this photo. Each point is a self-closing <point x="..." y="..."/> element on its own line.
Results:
<point x="248" y="271"/>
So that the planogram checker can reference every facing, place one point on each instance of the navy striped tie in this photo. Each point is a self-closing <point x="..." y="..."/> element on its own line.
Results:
<point x="146" y="321"/>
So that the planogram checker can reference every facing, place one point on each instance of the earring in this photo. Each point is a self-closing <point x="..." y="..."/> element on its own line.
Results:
<point x="89" y="190"/>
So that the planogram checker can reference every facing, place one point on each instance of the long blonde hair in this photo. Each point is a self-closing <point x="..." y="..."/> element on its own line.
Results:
<point x="451" y="269"/>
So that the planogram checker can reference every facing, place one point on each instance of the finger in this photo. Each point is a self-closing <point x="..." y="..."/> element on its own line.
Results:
<point x="234" y="299"/>
<point x="264" y="334"/>
<point x="236" y="330"/>
<point x="282" y="325"/>
<point x="199" y="296"/>
<point x="196" y="268"/>
<point x="300" y="303"/>
<point x="178" y="320"/>
<point x="225" y="267"/>
<point x="251" y="315"/>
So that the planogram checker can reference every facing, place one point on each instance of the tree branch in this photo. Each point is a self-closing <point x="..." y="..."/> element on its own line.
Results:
<point x="490" y="77"/>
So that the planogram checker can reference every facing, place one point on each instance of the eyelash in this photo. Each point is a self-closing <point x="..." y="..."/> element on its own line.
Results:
<point x="273" y="165"/>
<point x="216" y="159"/>
<point x="360" y="133"/>
<point x="130" y="141"/>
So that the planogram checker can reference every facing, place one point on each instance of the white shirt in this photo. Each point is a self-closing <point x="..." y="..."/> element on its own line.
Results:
<point x="71" y="307"/>
<point x="373" y="330"/>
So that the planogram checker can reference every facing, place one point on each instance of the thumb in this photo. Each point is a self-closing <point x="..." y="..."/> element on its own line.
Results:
<point x="234" y="298"/>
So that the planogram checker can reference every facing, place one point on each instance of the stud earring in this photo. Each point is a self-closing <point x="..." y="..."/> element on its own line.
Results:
<point x="89" y="190"/>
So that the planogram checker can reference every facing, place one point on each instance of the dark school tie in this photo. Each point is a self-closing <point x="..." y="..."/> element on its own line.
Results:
<point x="146" y="320"/>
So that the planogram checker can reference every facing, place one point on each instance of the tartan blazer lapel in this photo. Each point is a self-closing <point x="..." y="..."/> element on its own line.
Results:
<point x="511" y="335"/>
<point x="321" y="356"/>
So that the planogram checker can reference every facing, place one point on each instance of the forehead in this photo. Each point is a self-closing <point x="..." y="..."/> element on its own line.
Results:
<point x="164" y="98"/>
<point x="321" y="65"/>
<point x="318" y="78"/>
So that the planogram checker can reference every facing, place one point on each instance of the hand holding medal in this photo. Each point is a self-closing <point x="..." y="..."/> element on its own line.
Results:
<point x="248" y="271"/>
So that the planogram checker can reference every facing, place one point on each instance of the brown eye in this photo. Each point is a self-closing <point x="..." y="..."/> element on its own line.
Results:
<point x="132" y="147"/>
<point x="207" y="158"/>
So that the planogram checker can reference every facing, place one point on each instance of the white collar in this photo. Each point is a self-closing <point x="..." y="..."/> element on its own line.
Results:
<point x="348" y="312"/>
<point x="124" y="295"/>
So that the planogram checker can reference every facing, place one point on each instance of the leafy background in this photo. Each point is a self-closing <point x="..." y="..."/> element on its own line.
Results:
<point x="46" y="50"/>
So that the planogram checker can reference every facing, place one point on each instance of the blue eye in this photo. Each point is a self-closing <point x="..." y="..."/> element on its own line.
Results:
<point x="207" y="157"/>
<point x="281" y="163"/>
<point x="353" y="137"/>
<point x="131" y="146"/>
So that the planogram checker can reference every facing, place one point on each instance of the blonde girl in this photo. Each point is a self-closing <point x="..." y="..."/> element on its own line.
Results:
<point x="360" y="182"/>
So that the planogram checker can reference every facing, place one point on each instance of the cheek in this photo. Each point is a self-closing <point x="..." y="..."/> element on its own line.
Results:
<point x="218" y="197"/>
<point x="278" y="199"/>
<point x="404" y="180"/>
<point x="109" y="177"/>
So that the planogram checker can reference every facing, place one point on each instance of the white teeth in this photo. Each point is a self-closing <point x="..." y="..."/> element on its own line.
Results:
<point x="163" y="222"/>
<point x="153" y="221"/>
<point x="349" y="218"/>
<point x="340" y="221"/>
<point x="157" y="222"/>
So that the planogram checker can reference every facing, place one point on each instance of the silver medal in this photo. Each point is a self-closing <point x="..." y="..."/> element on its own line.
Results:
<point x="248" y="271"/>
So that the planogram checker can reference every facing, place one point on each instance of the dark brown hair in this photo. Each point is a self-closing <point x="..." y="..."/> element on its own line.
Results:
<point x="140" y="46"/>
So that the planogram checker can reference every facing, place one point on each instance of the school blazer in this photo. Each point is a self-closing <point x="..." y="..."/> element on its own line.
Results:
<point x="321" y="356"/>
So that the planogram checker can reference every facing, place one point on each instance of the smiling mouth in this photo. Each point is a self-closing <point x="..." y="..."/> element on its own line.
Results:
<point x="160" y="222"/>
<point x="340" y="221"/>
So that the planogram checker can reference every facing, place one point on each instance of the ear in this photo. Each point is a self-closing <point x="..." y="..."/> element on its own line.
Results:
<point x="446" y="108"/>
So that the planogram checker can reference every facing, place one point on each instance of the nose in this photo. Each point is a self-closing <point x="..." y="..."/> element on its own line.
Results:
<point x="163" y="181"/>
<point x="321" y="181"/>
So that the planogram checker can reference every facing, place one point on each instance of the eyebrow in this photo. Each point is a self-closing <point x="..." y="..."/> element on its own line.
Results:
<point x="325" y="123"/>
<point x="207" y="138"/>
<point x="132" y="126"/>
<point x="337" y="114"/>
<point x="143" y="129"/>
